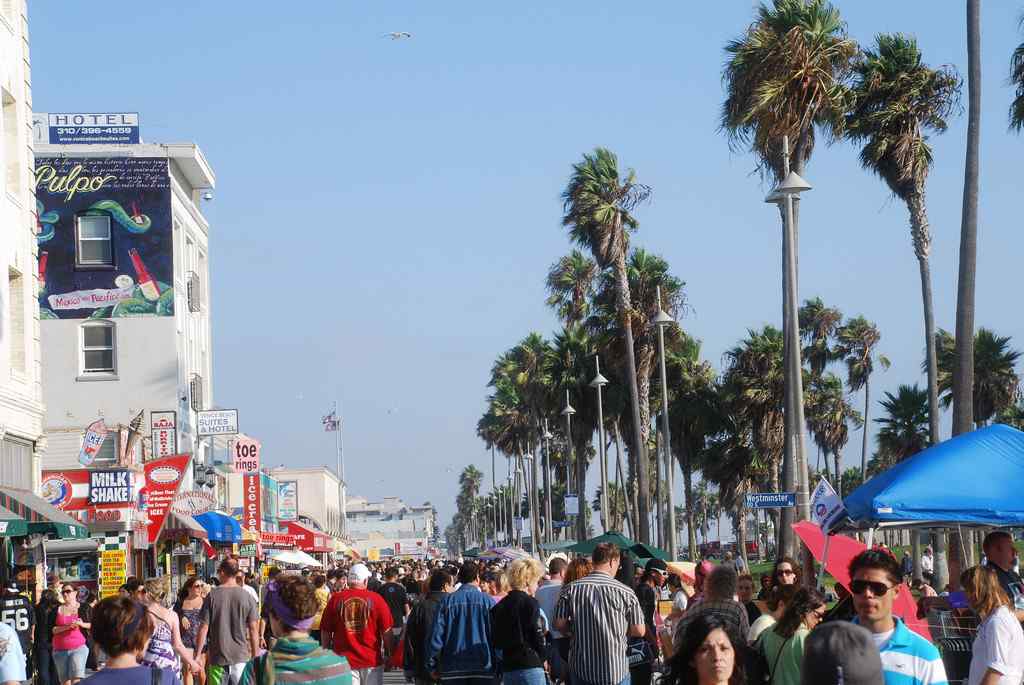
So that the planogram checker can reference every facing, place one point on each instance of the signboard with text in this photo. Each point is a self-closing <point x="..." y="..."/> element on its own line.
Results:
<point x="88" y="128"/>
<point x="771" y="500"/>
<point x="163" y="426"/>
<point x="113" y="571"/>
<point x="193" y="503"/>
<point x="288" y="500"/>
<point x="246" y="455"/>
<point x="252" y="516"/>
<point x="163" y="478"/>
<point x="110" y="487"/>
<point x="217" y="422"/>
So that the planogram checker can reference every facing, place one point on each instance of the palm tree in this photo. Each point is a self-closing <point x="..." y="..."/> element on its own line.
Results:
<point x="1017" y="79"/>
<point x="469" y="487"/>
<point x="598" y="204"/>
<point x="570" y="283"/>
<point x="818" y="326"/>
<point x="857" y="341"/>
<point x="898" y="99"/>
<point x="995" y="376"/>
<point x="903" y="430"/>
<point x="829" y="416"/>
<point x="963" y="371"/>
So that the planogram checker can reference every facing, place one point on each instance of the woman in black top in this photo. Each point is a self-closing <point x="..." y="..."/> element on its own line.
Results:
<point x="518" y="627"/>
<point x="42" y="645"/>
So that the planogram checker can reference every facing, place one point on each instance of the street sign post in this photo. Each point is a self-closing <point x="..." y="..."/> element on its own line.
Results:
<point x="771" y="500"/>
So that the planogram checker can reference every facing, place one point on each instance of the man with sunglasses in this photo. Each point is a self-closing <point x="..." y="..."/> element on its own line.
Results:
<point x="907" y="658"/>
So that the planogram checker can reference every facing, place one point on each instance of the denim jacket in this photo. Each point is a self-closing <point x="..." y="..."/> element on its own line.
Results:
<point x="460" y="640"/>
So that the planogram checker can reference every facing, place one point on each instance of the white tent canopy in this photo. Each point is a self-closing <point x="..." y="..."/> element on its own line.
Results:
<point x="295" y="557"/>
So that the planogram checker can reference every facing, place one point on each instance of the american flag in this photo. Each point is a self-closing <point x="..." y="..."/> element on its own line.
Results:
<point x="331" y="422"/>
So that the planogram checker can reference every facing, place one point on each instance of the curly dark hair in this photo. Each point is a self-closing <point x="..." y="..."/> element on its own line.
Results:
<point x="797" y="570"/>
<point x="298" y="594"/>
<point x="804" y="601"/>
<point x="121" y="625"/>
<point x="681" y="669"/>
<point x="877" y="559"/>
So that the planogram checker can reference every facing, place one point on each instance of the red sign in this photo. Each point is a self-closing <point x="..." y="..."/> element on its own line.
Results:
<point x="69" y="491"/>
<point x="252" y="517"/>
<point x="277" y="539"/>
<point x="163" y="477"/>
<point x="308" y="539"/>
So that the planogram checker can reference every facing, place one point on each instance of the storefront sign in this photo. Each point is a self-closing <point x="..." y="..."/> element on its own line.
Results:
<point x="164" y="431"/>
<point x="90" y="128"/>
<point x="247" y="549"/>
<point x="246" y="452"/>
<point x="181" y="551"/>
<point x="218" y="422"/>
<point x="163" y="477"/>
<point x="277" y="539"/>
<point x="107" y="515"/>
<point x="113" y="571"/>
<point x="95" y="434"/>
<point x="70" y="491"/>
<point x="288" y="500"/>
<point x="190" y="569"/>
<point x="252" y="518"/>
<point x="110" y="487"/>
<point x="193" y="503"/>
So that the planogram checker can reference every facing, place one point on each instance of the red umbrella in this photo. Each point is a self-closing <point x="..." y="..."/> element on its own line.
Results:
<point x="841" y="551"/>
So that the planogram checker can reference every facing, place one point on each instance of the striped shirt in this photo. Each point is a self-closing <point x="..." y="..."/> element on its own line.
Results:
<point x="297" y="661"/>
<point x="599" y="610"/>
<point x="909" y="659"/>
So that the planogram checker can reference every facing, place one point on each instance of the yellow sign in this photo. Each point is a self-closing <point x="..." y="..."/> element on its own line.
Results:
<point x="373" y="554"/>
<point x="113" y="571"/>
<point x="190" y="569"/>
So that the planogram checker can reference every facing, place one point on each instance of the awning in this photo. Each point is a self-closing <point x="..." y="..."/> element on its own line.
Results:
<point x="220" y="527"/>
<point x="309" y="539"/>
<point x="41" y="516"/>
<point x="181" y="523"/>
<point x="12" y="525"/>
<point x="61" y="547"/>
<point x="294" y="557"/>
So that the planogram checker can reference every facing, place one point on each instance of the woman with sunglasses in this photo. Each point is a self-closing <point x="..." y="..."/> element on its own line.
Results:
<point x="786" y="572"/>
<point x="997" y="655"/>
<point x="783" y="645"/>
<point x="69" y="643"/>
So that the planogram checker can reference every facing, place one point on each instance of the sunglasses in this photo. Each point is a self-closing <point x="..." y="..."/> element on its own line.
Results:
<point x="858" y="587"/>
<point x="787" y="572"/>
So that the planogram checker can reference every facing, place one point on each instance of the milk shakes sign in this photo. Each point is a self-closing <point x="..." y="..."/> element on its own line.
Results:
<point x="110" y="487"/>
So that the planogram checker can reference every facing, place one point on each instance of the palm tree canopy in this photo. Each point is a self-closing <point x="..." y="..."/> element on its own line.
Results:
<point x="818" y="326"/>
<point x="830" y="414"/>
<point x="903" y="430"/>
<point x="597" y="203"/>
<point x="996" y="381"/>
<point x="785" y="74"/>
<point x="857" y="341"/>
<point x="897" y="99"/>
<point x="570" y="285"/>
<point x="1017" y="79"/>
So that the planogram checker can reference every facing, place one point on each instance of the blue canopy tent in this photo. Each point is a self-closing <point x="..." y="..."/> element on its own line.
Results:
<point x="220" y="526"/>
<point x="975" y="479"/>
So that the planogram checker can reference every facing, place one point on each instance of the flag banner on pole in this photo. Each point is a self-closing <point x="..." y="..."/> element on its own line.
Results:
<point x="331" y="422"/>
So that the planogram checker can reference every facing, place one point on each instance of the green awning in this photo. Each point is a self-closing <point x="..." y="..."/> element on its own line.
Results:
<point x="617" y="539"/>
<point x="643" y="551"/>
<point x="12" y="525"/>
<point x="40" y="516"/>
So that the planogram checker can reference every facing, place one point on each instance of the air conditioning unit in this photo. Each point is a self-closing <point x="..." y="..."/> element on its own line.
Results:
<point x="194" y="294"/>
<point x="195" y="391"/>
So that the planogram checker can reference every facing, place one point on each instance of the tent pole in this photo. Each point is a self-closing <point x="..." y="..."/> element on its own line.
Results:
<point x="824" y="560"/>
<point x="963" y="550"/>
<point x="871" y="537"/>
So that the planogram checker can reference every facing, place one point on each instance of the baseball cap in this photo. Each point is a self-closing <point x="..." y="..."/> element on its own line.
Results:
<point x="656" y="565"/>
<point x="358" y="573"/>
<point x="841" y="653"/>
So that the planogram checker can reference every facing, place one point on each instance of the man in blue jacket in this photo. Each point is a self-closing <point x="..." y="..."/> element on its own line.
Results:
<point x="460" y="650"/>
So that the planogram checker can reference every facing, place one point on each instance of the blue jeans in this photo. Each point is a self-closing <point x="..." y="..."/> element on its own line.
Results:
<point x="526" y="676"/>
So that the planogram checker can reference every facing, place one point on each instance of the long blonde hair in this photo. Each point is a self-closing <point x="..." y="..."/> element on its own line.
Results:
<point x="984" y="592"/>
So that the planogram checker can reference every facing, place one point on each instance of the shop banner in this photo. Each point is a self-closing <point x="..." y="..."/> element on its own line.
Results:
<point x="95" y="434"/>
<point x="288" y="500"/>
<point x="163" y="426"/>
<point x="111" y="487"/>
<point x="193" y="503"/>
<point x="113" y="571"/>
<point x="163" y="478"/>
<point x="71" y="491"/>
<point x="252" y="517"/>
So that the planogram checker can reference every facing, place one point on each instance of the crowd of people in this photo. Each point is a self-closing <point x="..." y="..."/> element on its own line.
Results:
<point x="588" y="621"/>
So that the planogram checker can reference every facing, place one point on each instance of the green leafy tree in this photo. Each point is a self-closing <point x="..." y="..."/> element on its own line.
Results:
<point x="898" y="101"/>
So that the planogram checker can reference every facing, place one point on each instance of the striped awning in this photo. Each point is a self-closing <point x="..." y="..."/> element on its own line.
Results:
<point x="12" y="525"/>
<point x="40" y="516"/>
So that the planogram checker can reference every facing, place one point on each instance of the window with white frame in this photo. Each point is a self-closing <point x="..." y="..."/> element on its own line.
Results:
<point x="98" y="348"/>
<point x="93" y="240"/>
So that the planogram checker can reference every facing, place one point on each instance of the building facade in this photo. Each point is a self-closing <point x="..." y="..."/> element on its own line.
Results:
<point x="123" y="272"/>
<point x="316" y="496"/>
<point x="390" y="527"/>
<point x="21" y="391"/>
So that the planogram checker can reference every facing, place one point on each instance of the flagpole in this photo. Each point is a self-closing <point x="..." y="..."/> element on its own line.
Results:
<point x="342" y="524"/>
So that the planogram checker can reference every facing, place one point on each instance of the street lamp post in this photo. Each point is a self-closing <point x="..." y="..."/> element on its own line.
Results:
<point x="549" y="522"/>
<point x="598" y="383"/>
<point x="794" y="460"/>
<point x="662" y="320"/>
<point x="567" y="412"/>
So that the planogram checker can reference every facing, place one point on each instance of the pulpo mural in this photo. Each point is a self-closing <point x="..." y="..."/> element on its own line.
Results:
<point x="105" y="239"/>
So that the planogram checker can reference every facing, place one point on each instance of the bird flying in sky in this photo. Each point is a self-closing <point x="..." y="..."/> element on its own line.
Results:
<point x="397" y="35"/>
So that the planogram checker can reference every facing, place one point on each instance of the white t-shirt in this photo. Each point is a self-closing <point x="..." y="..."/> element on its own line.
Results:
<point x="12" y="659"/>
<point x="999" y="646"/>
<point x="927" y="564"/>
<point x="882" y="639"/>
<point x="679" y="601"/>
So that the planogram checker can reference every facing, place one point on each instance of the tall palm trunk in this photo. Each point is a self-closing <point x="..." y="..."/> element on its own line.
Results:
<point x="623" y="302"/>
<point x="839" y="476"/>
<point x="922" y="247"/>
<point x="684" y="464"/>
<point x="741" y="534"/>
<point x="581" y="490"/>
<point x="864" y="443"/>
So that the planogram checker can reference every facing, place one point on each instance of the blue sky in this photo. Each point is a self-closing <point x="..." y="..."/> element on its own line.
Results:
<point x="386" y="210"/>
